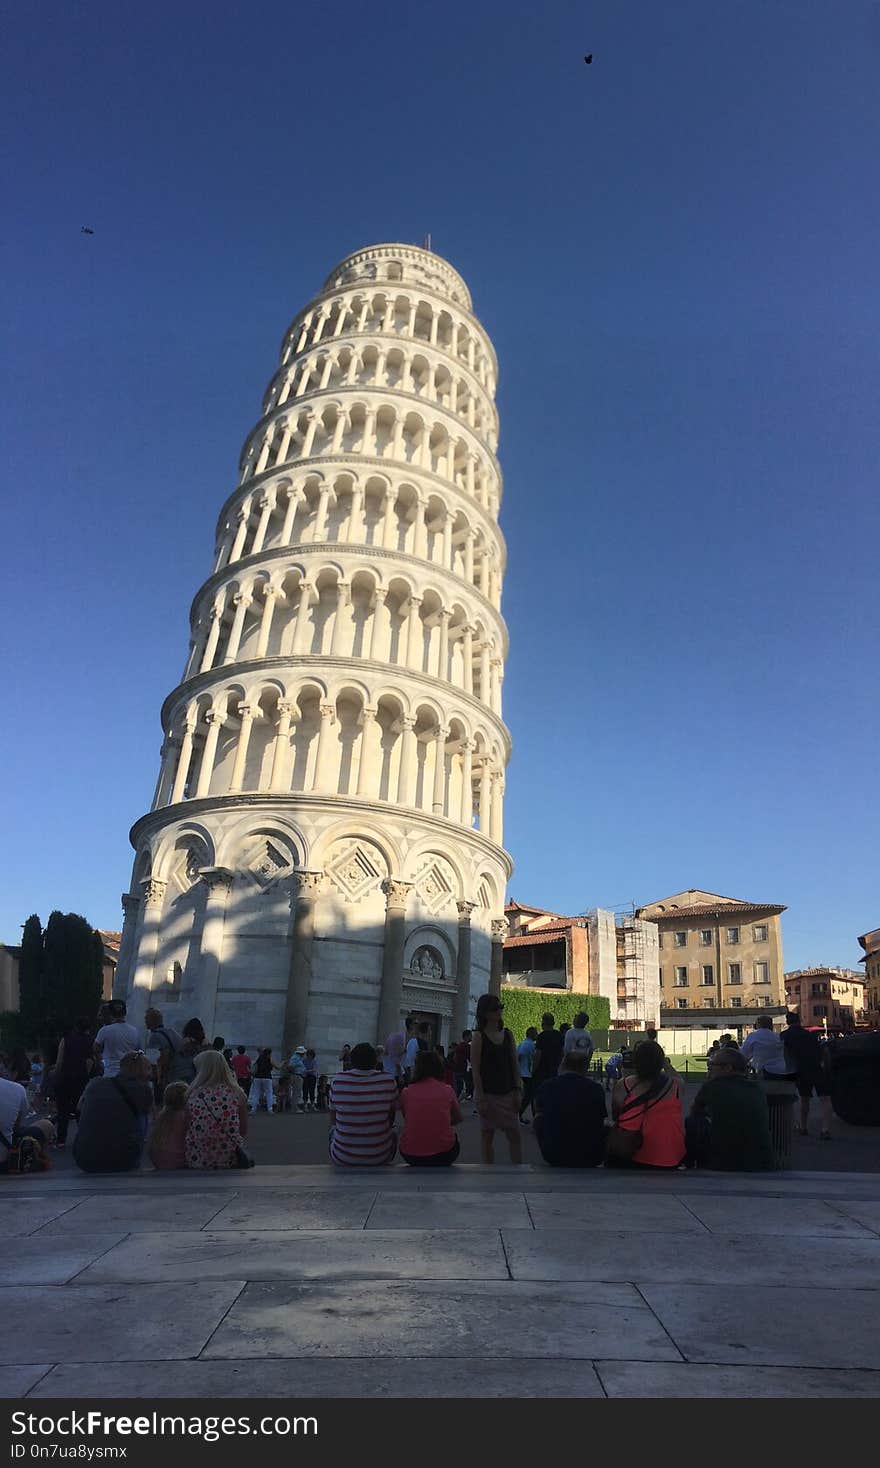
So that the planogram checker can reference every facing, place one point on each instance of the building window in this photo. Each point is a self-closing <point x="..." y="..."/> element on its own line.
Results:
<point x="765" y="1000"/>
<point x="681" y="978"/>
<point x="734" y="973"/>
<point x="705" y="937"/>
<point x="736" y="1002"/>
<point x="762" y="973"/>
<point x="708" y="974"/>
<point x="679" y="940"/>
<point x="681" y="1004"/>
<point x="660" y="977"/>
<point x="818" y="989"/>
<point x="759" y="933"/>
<point x="708" y="1003"/>
<point x="659" y="937"/>
<point x="733" y="935"/>
<point x="819" y="1010"/>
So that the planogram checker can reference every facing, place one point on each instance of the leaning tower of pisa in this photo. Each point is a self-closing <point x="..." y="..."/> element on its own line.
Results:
<point x="324" y="849"/>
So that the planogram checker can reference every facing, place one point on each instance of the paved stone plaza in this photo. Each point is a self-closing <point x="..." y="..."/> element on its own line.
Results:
<point x="304" y="1282"/>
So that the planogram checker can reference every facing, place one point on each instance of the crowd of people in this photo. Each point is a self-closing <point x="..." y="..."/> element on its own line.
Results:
<point x="185" y="1101"/>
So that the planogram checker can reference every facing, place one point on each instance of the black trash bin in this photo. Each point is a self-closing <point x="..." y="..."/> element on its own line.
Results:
<point x="855" y="1079"/>
<point x="781" y="1096"/>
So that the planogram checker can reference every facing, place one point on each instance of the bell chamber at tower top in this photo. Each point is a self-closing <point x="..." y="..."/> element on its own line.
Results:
<point x="349" y="640"/>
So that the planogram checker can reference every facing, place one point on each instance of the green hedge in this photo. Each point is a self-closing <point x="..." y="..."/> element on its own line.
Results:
<point x="523" y="1007"/>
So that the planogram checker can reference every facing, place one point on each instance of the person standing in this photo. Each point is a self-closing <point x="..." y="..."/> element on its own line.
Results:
<point x="764" y="1050"/>
<point x="115" y="1039"/>
<point x="261" y="1084"/>
<point x="578" y="1039"/>
<point x="461" y="1062"/>
<point x="395" y="1050"/>
<point x="804" y="1058"/>
<point x="525" y="1055"/>
<point x="73" y="1066"/>
<point x="175" y="1058"/>
<point x="241" y="1068"/>
<point x="310" y="1080"/>
<point x="497" y="1091"/>
<point x="548" y="1051"/>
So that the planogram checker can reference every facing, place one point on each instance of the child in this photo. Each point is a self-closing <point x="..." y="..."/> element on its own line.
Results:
<point x="166" y="1144"/>
<point x="283" y="1088"/>
<point x="323" y="1093"/>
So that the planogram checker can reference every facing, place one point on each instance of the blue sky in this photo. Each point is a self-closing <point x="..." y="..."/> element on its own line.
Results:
<point x="675" y="252"/>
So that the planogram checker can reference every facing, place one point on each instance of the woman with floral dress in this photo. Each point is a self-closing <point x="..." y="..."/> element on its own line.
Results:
<point x="216" y="1112"/>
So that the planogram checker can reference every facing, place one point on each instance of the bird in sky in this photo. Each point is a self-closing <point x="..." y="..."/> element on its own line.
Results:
<point x="589" y="59"/>
<point x="85" y="230"/>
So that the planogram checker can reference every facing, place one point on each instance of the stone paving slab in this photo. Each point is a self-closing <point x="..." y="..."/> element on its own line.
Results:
<point x="22" y="1214"/>
<point x="330" y="1377"/>
<point x="587" y="1211"/>
<point x="16" y="1381"/>
<point x="415" y="1318"/>
<point x="792" y="1325"/>
<point x="789" y="1217"/>
<point x="142" y="1211"/>
<point x="310" y="1208"/>
<point x="696" y="1258"/>
<point x="867" y="1214"/>
<point x="455" y="1211"/>
<point x="266" y="1255"/>
<point x="35" y="1261"/>
<point x="144" y="1322"/>
<point x="668" y="1379"/>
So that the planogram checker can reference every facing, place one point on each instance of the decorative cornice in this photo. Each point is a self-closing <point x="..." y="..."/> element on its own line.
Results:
<point x="337" y="548"/>
<point x="396" y="892"/>
<point x="373" y="462"/>
<point x="314" y="804"/>
<point x="310" y="662"/>
<point x="306" y="885"/>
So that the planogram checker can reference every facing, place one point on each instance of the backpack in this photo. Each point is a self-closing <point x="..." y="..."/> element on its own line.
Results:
<point x="24" y="1155"/>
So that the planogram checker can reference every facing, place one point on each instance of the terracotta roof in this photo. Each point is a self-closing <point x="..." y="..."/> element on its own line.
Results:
<point x="741" y="909"/>
<point x="514" y="906"/>
<point x="540" y="935"/>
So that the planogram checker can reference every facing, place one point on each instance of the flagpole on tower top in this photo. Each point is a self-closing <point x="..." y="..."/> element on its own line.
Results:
<point x="427" y="242"/>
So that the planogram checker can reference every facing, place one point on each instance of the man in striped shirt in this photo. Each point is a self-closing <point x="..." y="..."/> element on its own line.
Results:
<point x="362" y="1104"/>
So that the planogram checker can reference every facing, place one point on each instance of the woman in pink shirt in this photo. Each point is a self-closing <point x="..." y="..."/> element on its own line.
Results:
<point x="430" y="1111"/>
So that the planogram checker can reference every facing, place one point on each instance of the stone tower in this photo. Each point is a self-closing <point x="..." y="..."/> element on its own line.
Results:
<point x="324" y="849"/>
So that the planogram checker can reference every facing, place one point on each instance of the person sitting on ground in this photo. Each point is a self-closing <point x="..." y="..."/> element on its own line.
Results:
<point x="113" y="1115"/>
<point x="497" y="1086"/>
<point x="570" y="1116"/>
<point x="804" y="1056"/>
<point x="13" y="1114"/>
<point x="216" y="1115"/>
<point x="729" y="1127"/>
<point x="115" y="1039"/>
<point x="167" y="1144"/>
<point x="362" y="1104"/>
<point x="647" y="1101"/>
<point x="763" y="1049"/>
<point x="430" y="1111"/>
<point x="578" y="1038"/>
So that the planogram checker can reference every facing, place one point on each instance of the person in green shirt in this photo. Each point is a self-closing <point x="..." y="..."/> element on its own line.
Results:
<point x="729" y="1127"/>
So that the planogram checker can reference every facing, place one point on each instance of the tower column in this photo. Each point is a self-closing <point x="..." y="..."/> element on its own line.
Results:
<point x="324" y="758"/>
<point x="294" y="497"/>
<point x="407" y="761"/>
<point x="215" y="721"/>
<point x="467" y="654"/>
<point x="391" y="996"/>
<point x="246" y="714"/>
<point x="496" y="972"/>
<point x="279" y="779"/>
<point x="267" y="505"/>
<point x="462" y="1001"/>
<point x="302" y="617"/>
<point x="342" y="590"/>
<point x="466" y="814"/>
<point x="269" y="597"/>
<point x="147" y="947"/>
<point x="381" y="630"/>
<point x="186" y="749"/>
<point x="304" y="890"/>
<point x="371" y="753"/>
<point x="213" y="638"/>
<point x="415" y="635"/>
<point x="439" y="793"/>
<point x="219" y="884"/>
<point x="242" y="602"/>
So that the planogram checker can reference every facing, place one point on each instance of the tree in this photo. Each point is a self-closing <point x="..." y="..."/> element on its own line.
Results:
<point x="30" y="979"/>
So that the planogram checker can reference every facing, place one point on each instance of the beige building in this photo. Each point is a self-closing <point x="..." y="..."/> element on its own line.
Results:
<point x="870" y="942"/>
<point x="720" y="959"/>
<point x="832" y="996"/>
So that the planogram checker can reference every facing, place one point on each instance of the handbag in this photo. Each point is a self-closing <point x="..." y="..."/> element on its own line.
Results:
<point x="243" y="1158"/>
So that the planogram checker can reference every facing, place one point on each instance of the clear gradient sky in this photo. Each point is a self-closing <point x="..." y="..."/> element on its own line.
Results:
<point x="675" y="251"/>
